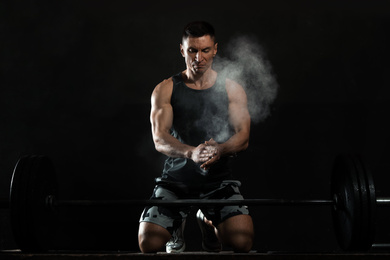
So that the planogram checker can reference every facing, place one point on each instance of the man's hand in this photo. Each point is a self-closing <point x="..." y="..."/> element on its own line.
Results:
<point x="202" y="153"/>
<point x="213" y="146"/>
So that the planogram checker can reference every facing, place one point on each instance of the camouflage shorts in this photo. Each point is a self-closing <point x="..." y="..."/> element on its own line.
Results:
<point x="172" y="217"/>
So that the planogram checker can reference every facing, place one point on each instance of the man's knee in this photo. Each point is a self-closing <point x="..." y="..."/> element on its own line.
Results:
<point x="151" y="237"/>
<point x="237" y="232"/>
<point x="241" y="243"/>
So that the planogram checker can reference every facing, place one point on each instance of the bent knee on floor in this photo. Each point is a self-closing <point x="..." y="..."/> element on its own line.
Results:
<point x="237" y="232"/>
<point x="241" y="244"/>
<point x="239" y="241"/>
<point x="150" y="245"/>
<point x="152" y="238"/>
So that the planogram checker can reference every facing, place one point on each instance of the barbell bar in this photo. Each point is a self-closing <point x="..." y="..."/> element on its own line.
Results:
<point x="188" y="202"/>
<point x="34" y="193"/>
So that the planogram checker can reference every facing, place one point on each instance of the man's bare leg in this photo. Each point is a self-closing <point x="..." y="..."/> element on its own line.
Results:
<point x="237" y="232"/>
<point x="152" y="237"/>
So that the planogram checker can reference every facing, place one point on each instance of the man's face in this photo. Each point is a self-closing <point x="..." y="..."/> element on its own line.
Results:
<point x="198" y="53"/>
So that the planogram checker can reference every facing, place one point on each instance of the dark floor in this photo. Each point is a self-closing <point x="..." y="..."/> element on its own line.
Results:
<point x="5" y="255"/>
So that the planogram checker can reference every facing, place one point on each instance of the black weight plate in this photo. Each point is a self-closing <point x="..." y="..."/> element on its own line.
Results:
<point x="363" y="242"/>
<point x="18" y="200"/>
<point x="346" y="215"/>
<point x="33" y="224"/>
<point x="371" y="200"/>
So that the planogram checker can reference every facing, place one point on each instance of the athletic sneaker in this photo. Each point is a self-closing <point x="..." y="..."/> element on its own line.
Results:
<point x="210" y="242"/>
<point x="176" y="244"/>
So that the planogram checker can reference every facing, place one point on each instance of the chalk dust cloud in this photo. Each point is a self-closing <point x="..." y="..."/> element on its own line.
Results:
<point x="244" y="61"/>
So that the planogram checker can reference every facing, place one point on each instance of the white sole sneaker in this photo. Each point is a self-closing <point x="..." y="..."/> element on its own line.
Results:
<point x="176" y="244"/>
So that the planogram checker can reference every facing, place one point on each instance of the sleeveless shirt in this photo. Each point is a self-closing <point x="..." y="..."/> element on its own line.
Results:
<point x="198" y="115"/>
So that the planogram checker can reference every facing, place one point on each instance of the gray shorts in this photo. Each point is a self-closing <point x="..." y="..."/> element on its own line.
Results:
<point x="172" y="217"/>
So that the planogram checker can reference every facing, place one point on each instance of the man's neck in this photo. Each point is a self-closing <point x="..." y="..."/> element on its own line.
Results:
<point x="200" y="81"/>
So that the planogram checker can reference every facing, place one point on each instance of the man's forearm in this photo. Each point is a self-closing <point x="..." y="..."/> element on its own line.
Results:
<point x="235" y="144"/>
<point x="170" y="146"/>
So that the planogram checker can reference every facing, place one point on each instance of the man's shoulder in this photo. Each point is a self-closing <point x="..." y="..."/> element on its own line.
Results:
<point x="232" y="84"/>
<point x="235" y="90"/>
<point x="164" y="87"/>
<point x="166" y="84"/>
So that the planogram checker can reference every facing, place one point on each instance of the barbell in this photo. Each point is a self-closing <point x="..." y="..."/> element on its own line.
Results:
<point x="34" y="199"/>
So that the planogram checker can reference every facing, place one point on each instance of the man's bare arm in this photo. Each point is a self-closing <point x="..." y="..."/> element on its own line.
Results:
<point x="239" y="119"/>
<point x="161" y="118"/>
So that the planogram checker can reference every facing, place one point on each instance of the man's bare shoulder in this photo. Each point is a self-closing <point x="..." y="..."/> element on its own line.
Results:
<point x="164" y="86"/>
<point x="234" y="88"/>
<point x="162" y="92"/>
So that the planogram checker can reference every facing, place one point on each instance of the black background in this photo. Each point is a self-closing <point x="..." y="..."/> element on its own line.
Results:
<point x="76" y="79"/>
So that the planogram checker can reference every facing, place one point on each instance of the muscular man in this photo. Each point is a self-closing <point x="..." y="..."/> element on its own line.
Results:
<point x="199" y="120"/>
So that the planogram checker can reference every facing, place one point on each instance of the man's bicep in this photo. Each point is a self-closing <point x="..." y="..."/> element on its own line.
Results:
<point x="238" y="109"/>
<point x="239" y="117"/>
<point x="161" y="115"/>
<point x="161" y="118"/>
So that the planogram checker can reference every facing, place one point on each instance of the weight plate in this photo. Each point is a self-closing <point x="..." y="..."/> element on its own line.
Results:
<point x="33" y="223"/>
<point x="371" y="196"/>
<point x="363" y="242"/>
<point x="347" y="211"/>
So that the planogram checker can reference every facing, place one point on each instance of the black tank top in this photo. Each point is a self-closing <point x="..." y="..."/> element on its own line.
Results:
<point x="198" y="115"/>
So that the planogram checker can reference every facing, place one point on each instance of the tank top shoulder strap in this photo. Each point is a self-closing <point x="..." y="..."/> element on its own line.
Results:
<point x="177" y="79"/>
<point x="220" y="82"/>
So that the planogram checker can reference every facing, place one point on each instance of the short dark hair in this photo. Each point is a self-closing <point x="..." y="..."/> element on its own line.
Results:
<point x="198" y="29"/>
